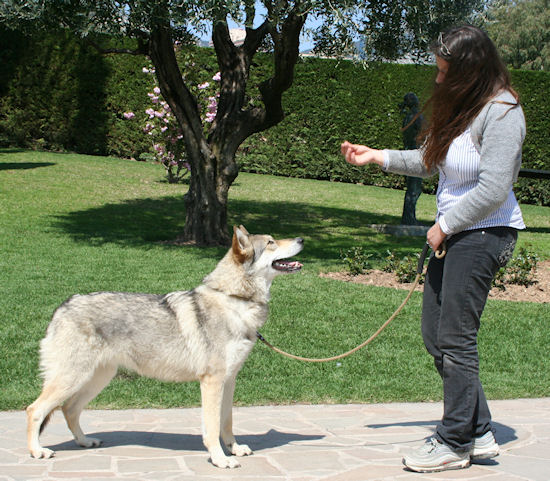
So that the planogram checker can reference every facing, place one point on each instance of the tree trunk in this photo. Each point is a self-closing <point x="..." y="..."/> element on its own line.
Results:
<point x="206" y="200"/>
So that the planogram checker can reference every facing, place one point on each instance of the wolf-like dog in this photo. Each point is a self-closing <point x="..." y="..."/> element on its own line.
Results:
<point x="204" y="334"/>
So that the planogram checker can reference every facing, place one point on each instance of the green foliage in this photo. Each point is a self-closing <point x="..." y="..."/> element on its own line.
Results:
<point x="60" y="94"/>
<point x="521" y="32"/>
<point x="520" y="270"/>
<point x="404" y="267"/>
<point x="356" y="259"/>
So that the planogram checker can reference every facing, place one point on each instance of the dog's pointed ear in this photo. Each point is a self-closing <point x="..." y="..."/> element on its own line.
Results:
<point x="243" y="229"/>
<point x="241" y="245"/>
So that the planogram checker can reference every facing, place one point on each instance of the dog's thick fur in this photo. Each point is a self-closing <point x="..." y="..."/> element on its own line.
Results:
<point x="204" y="334"/>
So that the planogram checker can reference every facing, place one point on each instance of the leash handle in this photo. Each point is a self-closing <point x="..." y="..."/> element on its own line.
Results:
<point x="440" y="253"/>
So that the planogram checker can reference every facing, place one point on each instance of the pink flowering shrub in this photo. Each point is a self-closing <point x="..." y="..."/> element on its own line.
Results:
<point x="167" y="145"/>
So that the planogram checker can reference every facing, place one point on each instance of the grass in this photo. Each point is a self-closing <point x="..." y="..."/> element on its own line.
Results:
<point x="74" y="223"/>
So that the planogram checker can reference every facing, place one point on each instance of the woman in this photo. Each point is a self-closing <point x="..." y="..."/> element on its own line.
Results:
<point x="474" y="140"/>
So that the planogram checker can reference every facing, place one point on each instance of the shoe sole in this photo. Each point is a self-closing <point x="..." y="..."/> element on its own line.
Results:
<point x="486" y="455"/>
<point x="464" y="463"/>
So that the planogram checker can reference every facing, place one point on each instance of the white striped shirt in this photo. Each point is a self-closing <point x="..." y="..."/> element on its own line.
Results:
<point x="458" y="175"/>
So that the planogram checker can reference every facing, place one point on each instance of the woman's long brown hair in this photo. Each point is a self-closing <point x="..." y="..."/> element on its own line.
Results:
<point x="475" y="75"/>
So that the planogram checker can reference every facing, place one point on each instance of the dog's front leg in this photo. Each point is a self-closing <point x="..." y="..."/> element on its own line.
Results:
<point x="211" y="393"/>
<point x="227" y="421"/>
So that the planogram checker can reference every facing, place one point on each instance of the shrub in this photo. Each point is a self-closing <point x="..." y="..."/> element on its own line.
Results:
<point x="356" y="260"/>
<point x="520" y="270"/>
<point x="404" y="268"/>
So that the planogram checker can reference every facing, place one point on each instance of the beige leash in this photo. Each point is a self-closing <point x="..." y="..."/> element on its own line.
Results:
<point x="438" y="253"/>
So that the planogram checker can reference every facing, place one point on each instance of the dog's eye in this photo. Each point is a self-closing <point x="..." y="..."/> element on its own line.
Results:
<point x="270" y="242"/>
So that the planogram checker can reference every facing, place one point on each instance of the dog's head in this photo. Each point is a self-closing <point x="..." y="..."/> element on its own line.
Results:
<point x="263" y="255"/>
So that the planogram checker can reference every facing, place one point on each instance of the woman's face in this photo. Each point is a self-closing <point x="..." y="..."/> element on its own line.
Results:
<point x="442" y="67"/>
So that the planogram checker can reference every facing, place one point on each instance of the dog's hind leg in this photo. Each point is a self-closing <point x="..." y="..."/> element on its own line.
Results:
<point x="227" y="421"/>
<point x="38" y="412"/>
<point x="75" y="404"/>
<point x="211" y="393"/>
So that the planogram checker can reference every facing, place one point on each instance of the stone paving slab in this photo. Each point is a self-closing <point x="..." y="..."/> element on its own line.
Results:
<point x="298" y="443"/>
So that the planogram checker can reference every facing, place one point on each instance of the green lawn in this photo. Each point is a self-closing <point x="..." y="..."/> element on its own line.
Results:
<point x="76" y="224"/>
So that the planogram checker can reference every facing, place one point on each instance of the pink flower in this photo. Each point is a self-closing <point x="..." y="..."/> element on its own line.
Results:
<point x="210" y="116"/>
<point x="129" y="115"/>
<point x="217" y="77"/>
<point x="156" y="91"/>
<point x="150" y="112"/>
<point x="203" y="86"/>
<point x="163" y="129"/>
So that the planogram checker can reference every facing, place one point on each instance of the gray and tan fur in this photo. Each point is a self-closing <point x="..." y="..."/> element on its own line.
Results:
<point x="203" y="334"/>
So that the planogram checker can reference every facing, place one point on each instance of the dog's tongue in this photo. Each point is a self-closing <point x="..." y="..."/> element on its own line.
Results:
<point x="284" y="265"/>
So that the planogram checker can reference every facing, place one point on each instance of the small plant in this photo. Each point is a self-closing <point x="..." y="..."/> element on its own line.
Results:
<point x="391" y="262"/>
<point x="356" y="260"/>
<point x="520" y="270"/>
<point x="404" y="268"/>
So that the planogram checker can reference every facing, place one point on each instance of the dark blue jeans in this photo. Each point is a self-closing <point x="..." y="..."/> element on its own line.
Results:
<point x="455" y="293"/>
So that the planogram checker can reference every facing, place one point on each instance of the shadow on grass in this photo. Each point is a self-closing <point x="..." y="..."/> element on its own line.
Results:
<point x="326" y="230"/>
<point x="11" y="150"/>
<point x="24" y="165"/>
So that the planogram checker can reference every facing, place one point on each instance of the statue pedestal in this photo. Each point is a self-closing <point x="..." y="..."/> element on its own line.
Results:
<point x="401" y="230"/>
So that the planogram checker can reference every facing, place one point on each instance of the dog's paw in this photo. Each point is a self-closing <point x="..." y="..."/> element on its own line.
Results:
<point x="42" y="453"/>
<point x="225" y="462"/>
<point x="87" y="442"/>
<point x="240" y="450"/>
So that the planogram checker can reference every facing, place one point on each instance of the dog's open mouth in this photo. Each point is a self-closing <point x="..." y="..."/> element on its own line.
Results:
<point x="286" y="265"/>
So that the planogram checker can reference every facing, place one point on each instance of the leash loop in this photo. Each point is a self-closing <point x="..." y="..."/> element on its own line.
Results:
<point x="419" y="270"/>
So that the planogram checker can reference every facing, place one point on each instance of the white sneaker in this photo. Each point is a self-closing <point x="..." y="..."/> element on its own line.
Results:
<point x="484" y="447"/>
<point x="436" y="456"/>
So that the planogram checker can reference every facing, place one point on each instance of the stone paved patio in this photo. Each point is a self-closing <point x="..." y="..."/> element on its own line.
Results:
<point x="298" y="443"/>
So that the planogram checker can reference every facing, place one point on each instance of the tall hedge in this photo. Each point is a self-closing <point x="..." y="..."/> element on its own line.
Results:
<point x="58" y="93"/>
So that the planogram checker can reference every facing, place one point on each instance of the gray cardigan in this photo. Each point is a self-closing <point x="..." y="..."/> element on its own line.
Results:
<point x="497" y="133"/>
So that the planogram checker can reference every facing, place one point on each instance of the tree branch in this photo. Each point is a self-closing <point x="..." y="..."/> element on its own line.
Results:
<point x="175" y="92"/>
<point x="286" y="55"/>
